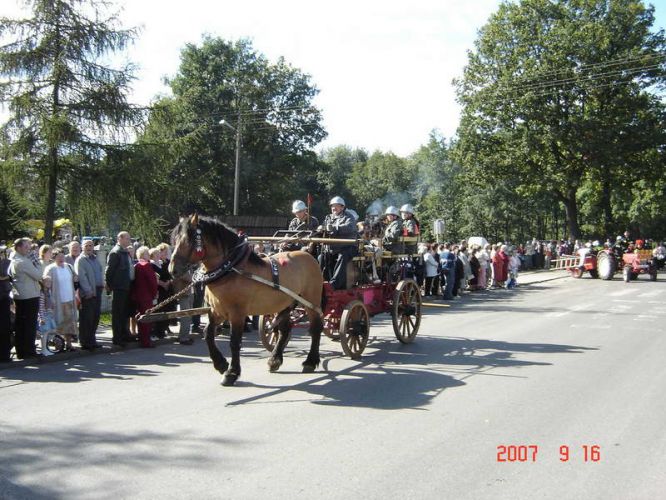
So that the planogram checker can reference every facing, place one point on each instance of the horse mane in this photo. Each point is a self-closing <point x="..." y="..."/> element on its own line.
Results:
<point x="215" y="231"/>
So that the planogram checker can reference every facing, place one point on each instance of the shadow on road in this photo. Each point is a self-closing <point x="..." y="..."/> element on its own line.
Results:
<point x="393" y="376"/>
<point x="501" y="300"/>
<point x="119" y="366"/>
<point x="35" y="463"/>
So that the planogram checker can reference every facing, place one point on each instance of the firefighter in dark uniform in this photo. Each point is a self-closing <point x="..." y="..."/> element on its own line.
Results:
<point x="302" y="220"/>
<point x="393" y="230"/>
<point x="411" y="227"/>
<point x="338" y="224"/>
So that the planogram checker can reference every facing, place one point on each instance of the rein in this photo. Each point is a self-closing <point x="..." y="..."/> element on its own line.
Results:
<point x="238" y="254"/>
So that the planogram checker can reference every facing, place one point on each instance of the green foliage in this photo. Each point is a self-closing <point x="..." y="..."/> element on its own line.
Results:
<point x="557" y="93"/>
<point x="191" y="156"/>
<point x="67" y="109"/>
<point x="337" y="165"/>
<point x="384" y="179"/>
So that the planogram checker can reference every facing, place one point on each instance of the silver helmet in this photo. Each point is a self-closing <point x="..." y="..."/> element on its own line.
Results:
<point x="297" y="206"/>
<point x="392" y="211"/>
<point x="337" y="200"/>
<point x="407" y="208"/>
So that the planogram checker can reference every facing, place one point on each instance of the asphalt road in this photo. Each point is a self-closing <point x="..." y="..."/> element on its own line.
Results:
<point x="575" y="363"/>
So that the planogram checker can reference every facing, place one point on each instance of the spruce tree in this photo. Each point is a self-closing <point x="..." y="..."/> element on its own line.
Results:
<point x="67" y="107"/>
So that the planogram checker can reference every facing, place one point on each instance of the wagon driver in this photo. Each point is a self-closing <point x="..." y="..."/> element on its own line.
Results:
<point x="339" y="224"/>
<point x="302" y="220"/>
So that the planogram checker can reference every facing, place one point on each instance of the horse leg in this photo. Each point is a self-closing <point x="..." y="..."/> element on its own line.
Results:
<point x="237" y="325"/>
<point x="283" y="322"/>
<point x="316" y="326"/>
<point x="219" y="362"/>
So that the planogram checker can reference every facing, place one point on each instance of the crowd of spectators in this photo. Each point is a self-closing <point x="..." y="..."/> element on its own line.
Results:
<point x="56" y="291"/>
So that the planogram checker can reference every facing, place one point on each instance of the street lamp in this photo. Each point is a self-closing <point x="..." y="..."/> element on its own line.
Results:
<point x="237" y="173"/>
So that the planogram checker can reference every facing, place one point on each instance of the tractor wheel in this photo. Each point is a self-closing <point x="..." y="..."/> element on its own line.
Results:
<point x="606" y="265"/>
<point x="594" y="273"/>
<point x="626" y="274"/>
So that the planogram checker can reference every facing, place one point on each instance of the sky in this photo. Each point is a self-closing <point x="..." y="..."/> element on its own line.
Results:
<point x="383" y="67"/>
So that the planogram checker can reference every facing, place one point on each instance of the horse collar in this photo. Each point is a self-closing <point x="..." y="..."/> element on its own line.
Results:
<point x="238" y="255"/>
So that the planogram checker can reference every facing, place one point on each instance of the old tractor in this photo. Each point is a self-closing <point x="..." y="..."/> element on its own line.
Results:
<point x="636" y="263"/>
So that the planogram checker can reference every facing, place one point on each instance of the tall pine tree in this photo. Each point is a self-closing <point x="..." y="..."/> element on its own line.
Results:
<point x="67" y="108"/>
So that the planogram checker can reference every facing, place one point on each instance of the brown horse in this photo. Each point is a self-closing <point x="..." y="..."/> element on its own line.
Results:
<point x="233" y="296"/>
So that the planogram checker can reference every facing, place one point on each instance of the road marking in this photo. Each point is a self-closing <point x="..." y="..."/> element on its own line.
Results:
<point x="622" y="307"/>
<point x="621" y="293"/>
<point x="579" y="307"/>
<point x="591" y="326"/>
<point x="646" y="317"/>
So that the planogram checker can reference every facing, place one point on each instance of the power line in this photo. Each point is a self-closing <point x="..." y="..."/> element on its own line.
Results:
<point x="500" y="100"/>
<point x="577" y="79"/>
<point x="595" y="66"/>
<point x="505" y="91"/>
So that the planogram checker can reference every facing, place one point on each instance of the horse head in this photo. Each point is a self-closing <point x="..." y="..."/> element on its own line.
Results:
<point x="199" y="239"/>
<point x="184" y="241"/>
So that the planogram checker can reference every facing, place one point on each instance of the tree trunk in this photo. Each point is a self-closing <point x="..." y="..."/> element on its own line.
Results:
<point x="51" y="195"/>
<point x="606" y="201"/>
<point x="53" y="146"/>
<point x="571" y="208"/>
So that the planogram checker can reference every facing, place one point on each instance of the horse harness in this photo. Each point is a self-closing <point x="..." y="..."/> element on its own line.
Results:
<point x="238" y="256"/>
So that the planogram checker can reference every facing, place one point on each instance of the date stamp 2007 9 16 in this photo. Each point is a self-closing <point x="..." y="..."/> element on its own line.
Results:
<point x="529" y="452"/>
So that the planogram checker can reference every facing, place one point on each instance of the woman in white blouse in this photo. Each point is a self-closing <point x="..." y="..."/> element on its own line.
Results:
<point x="62" y="296"/>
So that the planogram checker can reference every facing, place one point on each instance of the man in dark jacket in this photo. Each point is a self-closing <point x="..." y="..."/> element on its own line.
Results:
<point x="302" y="220"/>
<point x="447" y="266"/>
<point x="393" y="230"/>
<point x="91" y="285"/>
<point x="5" y="288"/>
<point x="339" y="224"/>
<point x="118" y="276"/>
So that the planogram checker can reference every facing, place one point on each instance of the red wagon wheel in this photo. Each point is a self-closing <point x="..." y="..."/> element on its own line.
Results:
<point x="268" y="332"/>
<point x="331" y="328"/>
<point x="354" y="329"/>
<point x="406" y="312"/>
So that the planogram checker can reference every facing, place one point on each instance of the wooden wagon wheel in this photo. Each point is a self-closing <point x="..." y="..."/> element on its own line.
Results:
<point x="354" y="329"/>
<point x="406" y="311"/>
<point x="268" y="333"/>
<point x="331" y="328"/>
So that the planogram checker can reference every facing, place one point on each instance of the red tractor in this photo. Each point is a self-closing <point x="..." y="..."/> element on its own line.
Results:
<point x="572" y="264"/>
<point x="636" y="263"/>
<point x="608" y="263"/>
<point x="602" y="264"/>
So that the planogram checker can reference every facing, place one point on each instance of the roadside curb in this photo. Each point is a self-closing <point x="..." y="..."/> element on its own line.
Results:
<point x="80" y="353"/>
<point x="543" y="280"/>
<point x="108" y="348"/>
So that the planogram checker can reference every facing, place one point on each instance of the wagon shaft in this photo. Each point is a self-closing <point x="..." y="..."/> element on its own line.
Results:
<point x="152" y="318"/>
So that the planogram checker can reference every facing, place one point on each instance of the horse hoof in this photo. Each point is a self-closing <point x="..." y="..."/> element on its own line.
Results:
<point x="309" y="368"/>
<point x="222" y="367"/>
<point x="274" y="364"/>
<point x="229" y="379"/>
